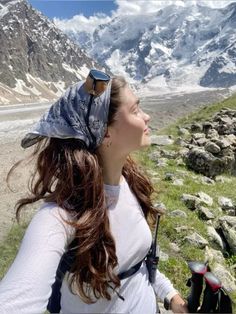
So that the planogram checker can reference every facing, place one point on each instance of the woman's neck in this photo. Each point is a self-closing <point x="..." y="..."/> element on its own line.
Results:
<point x="112" y="170"/>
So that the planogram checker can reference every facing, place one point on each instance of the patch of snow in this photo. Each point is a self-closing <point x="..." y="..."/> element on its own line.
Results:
<point x="71" y="70"/>
<point x="4" y="100"/>
<point x="84" y="71"/>
<point x="230" y="67"/>
<point x="60" y="87"/>
<point x="19" y="88"/>
<point x="3" y="10"/>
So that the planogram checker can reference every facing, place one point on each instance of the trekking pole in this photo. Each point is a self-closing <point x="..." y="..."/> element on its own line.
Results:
<point x="211" y="292"/>
<point x="198" y="270"/>
<point x="224" y="302"/>
<point x="153" y="255"/>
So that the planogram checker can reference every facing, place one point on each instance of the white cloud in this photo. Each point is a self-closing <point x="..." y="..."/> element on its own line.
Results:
<point x="80" y="23"/>
<point x="142" y="6"/>
<point x="131" y="7"/>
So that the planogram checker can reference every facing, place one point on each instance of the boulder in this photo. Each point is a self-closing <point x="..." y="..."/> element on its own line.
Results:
<point x="214" y="256"/>
<point x="190" y="201"/>
<point x="178" y="182"/>
<point x="178" y="213"/>
<point x="196" y="240"/>
<point x="212" y="147"/>
<point x="228" y="281"/>
<point x="215" y="239"/>
<point x="225" y="203"/>
<point x="205" y="198"/>
<point x="206" y="163"/>
<point x="228" y="227"/>
<point x="206" y="180"/>
<point x="204" y="213"/>
<point x="196" y="127"/>
<point x="161" y="140"/>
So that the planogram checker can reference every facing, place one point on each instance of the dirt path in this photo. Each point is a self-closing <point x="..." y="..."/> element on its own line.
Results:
<point x="163" y="109"/>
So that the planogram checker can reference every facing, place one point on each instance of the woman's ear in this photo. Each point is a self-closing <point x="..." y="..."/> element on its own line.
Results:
<point x="107" y="138"/>
<point x="107" y="134"/>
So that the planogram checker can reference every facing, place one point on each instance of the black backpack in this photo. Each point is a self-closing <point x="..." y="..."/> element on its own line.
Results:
<point x="67" y="259"/>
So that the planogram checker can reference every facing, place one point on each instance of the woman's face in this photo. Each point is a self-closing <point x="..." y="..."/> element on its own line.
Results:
<point x="130" y="131"/>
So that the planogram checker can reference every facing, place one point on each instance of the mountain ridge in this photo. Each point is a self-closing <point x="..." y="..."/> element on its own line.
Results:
<point x="37" y="59"/>
<point x="176" y="46"/>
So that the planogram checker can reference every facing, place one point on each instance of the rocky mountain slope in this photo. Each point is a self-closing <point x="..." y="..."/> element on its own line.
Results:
<point x="176" y="47"/>
<point x="37" y="60"/>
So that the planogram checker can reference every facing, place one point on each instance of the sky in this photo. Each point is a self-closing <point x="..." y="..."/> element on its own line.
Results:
<point x="67" y="9"/>
<point x="79" y="15"/>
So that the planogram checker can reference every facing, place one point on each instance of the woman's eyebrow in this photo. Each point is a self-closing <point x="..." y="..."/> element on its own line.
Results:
<point x="137" y="102"/>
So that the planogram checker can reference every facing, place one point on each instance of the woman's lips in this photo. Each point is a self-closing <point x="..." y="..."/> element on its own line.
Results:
<point x="146" y="130"/>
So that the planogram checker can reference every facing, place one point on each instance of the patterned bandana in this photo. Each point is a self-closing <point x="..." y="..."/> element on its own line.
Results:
<point x="67" y="118"/>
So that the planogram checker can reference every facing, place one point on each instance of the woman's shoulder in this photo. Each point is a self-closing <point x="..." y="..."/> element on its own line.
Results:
<point x="55" y="218"/>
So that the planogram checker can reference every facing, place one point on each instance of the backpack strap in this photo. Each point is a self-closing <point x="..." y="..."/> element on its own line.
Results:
<point x="54" y="302"/>
<point x="67" y="259"/>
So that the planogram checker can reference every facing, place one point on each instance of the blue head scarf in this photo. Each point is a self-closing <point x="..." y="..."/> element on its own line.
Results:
<point x="67" y="118"/>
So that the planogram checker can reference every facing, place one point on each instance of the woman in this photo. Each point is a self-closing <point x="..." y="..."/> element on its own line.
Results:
<point x="93" y="192"/>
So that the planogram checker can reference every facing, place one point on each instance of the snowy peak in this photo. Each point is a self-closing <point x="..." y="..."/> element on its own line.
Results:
<point x="176" y="46"/>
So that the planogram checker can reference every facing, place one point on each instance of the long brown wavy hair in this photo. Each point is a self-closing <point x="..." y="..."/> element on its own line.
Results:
<point x="71" y="176"/>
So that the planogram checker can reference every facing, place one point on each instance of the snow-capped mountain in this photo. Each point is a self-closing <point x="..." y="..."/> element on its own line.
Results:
<point x="176" y="47"/>
<point x="37" y="60"/>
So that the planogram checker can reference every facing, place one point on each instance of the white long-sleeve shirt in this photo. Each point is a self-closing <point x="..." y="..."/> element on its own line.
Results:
<point x="26" y="287"/>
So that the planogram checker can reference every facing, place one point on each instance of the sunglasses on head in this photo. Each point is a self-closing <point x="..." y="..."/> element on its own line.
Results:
<point x="96" y="82"/>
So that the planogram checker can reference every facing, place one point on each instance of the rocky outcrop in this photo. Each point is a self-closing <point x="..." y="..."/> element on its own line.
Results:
<point x="211" y="147"/>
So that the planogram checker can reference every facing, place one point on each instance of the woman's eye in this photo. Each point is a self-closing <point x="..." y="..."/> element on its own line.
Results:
<point x="137" y="110"/>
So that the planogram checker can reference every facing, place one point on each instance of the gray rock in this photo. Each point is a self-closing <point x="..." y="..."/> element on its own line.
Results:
<point x="180" y="162"/>
<point x="225" y="203"/>
<point x="163" y="256"/>
<point x="174" y="247"/>
<point x="228" y="226"/>
<point x="161" y="162"/>
<point x="215" y="239"/>
<point x="206" y="180"/>
<point x="196" y="127"/>
<point x="222" y="143"/>
<point x="160" y="206"/>
<point x="182" y="229"/>
<point x="214" y="256"/>
<point x="201" y="141"/>
<point x="183" y="152"/>
<point x="205" y="198"/>
<point x="206" y="163"/>
<point x="212" y="147"/>
<point x="161" y="140"/>
<point x="206" y="126"/>
<point x="228" y="281"/>
<point x="212" y="134"/>
<point x="190" y="201"/>
<point x="204" y="213"/>
<point x="183" y="132"/>
<point x="178" y="213"/>
<point x="231" y="138"/>
<point x="168" y="154"/>
<point x="154" y="155"/>
<point x="197" y="136"/>
<point x="178" y="182"/>
<point x="169" y="176"/>
<point x="179" y="141"/>
<point x="197" y="240"/>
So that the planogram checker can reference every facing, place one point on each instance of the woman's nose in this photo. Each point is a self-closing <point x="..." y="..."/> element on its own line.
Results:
<point x="147" y="118"/>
